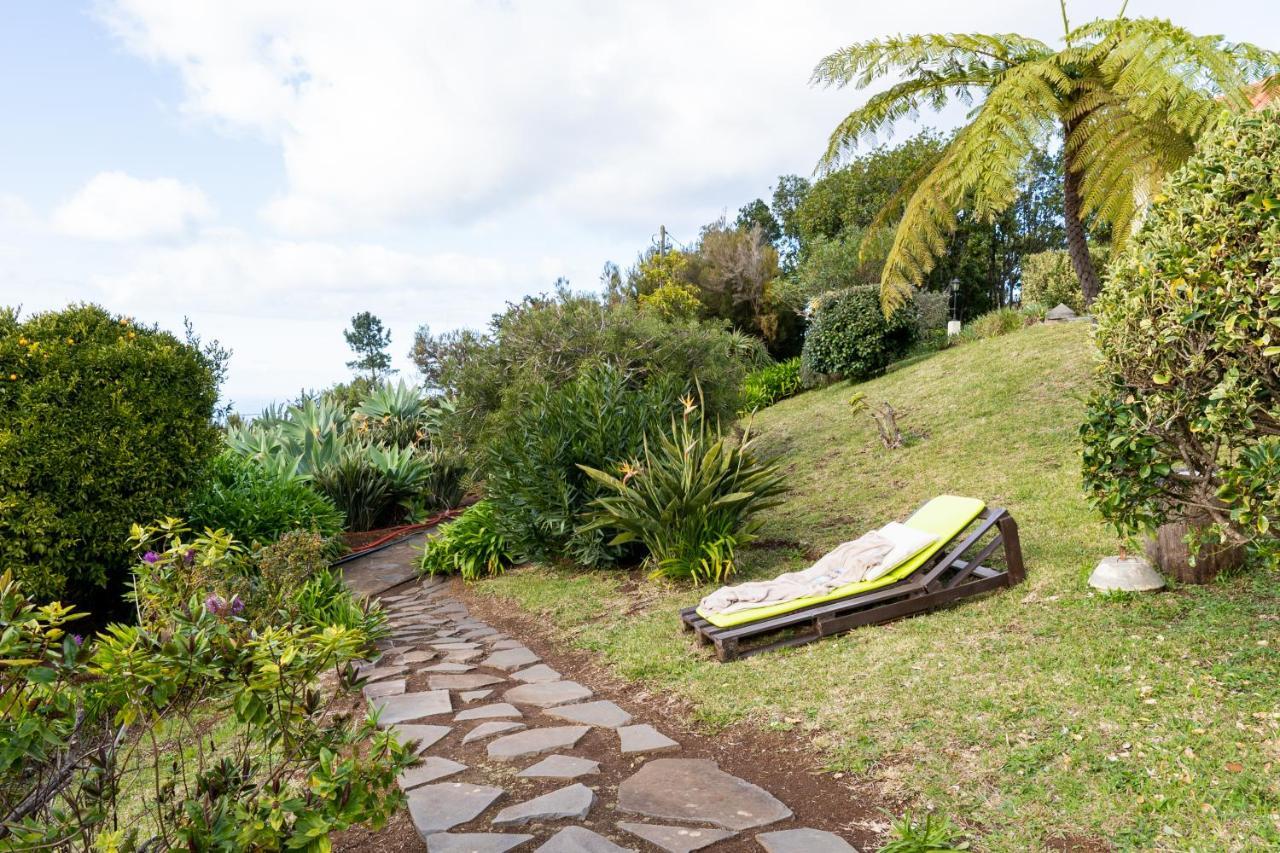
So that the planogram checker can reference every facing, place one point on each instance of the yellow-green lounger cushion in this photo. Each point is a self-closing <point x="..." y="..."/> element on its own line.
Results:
<point x="944" y="516"/>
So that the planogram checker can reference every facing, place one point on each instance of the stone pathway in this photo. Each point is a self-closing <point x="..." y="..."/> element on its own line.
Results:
<point x="512" y="753"/>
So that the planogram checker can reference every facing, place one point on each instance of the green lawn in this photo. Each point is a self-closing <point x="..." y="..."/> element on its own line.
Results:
<point x="1036" y="713"/>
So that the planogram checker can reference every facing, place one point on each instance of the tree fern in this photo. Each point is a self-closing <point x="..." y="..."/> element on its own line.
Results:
<point x="1127" y="99"/>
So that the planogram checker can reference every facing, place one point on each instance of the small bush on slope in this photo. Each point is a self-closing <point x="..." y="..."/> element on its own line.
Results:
<point x="768" y="385"/>
<point x="470" y="546"/>
<point x="850" y="337"/>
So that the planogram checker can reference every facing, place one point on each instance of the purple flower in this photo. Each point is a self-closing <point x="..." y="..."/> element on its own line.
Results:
<point x="236" y="605"/>
<point x="77" y="639"/>
<point x="190" y="556"/>
<point x="150" y="557"/>
<point x="214" y="604"/>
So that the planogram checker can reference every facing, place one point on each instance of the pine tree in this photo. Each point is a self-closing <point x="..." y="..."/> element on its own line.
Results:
<point x="369" y="340"/>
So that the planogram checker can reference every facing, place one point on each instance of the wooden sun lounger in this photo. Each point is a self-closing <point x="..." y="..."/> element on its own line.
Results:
<point x="956" y="572"/>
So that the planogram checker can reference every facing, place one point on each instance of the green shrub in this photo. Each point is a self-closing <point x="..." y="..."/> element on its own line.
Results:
<point x="1049" y="279"/>
<point x="1002" y="321"/>
<point x="674" y="301"/>
<point x="850" y="337"/>
<point x="690" y="501"/>
<point x="470" y="546"/>
<point x="103" y="421"/>
<point x="258" y="505"/>
<point x="1185" y="418"/>
<point x="933" y="310"/>
<point x="281" y="568"/>
<point x="532" y="479"/>
<point x="551" y="340"/>
<point x="324" y="600"/>
<point x="768" y="385"/>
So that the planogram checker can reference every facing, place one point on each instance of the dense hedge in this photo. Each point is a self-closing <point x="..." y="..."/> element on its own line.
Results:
<point x="103" y="422"/>
<point x="1048" y="279"/>
<point x="850" y="337"/>
<point x="1186" y="416"/>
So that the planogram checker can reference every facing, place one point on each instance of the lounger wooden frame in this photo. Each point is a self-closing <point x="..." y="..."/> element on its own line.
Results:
<point x="956" y="572"/>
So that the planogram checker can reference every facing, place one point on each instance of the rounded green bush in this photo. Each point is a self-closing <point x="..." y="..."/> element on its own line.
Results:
<point x="257" y="505"/>
<point x="850" y="337"/>
<point x="103" y="423"/>
<point x="1185" y="420"/>
<point x="1048" y="279"/>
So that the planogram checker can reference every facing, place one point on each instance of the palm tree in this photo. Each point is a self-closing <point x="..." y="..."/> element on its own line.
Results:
<point x="1125" y="98"/>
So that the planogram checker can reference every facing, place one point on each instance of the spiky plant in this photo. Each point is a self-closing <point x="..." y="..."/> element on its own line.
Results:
<point x="1126" y="98"/>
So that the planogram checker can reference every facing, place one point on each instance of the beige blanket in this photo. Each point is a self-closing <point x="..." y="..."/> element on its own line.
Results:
<point x="866" y="558"/>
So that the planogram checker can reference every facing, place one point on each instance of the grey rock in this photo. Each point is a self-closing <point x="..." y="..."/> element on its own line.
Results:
<point x="602" y="713"/>
<point x="475" y="842"/>
<point x="539" y="674"/>
<point x="1060" y="312"/>
<point x="574" y="801"/>
<point x="411" y="706"/>
<point x="378" y="673"/>
<point x="509" y="659"/>
<point x="676" y="839"/>
<point x="444" y="805"/>
<point x="644" y="738"/>
<point x="535" y="741"/>
<point x="447" y="666"/>
<point x="561" y="767"/>
<point x="432" y="768"/>
<point x="1127" y="574"/>
<point x="497" y="709"/>
<point x="391" y="687"/>
<point x="426" y="736"/>
<point x="507" y="644"/>
<point x="469" y="681"/>
<point x="464" y="656"/>
<point x="479" y="633"/>
<point x="474" y="695"/>
<point x="456" y="647"/>
<point x="417" y="656"/>
<point x="697" y="790"/>
<point x="804" y="840"/>
<point x="547" y="694"/>
<point x="490" y="729"/>
<point x="578" y="839"/>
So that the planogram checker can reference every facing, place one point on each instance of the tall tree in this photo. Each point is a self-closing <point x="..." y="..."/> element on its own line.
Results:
<point x="369" y="340"/>
<point x="1125" y="98"/>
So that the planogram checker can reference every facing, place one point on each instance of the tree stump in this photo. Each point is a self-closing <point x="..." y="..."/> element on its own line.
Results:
<point x="1168" y="552"/>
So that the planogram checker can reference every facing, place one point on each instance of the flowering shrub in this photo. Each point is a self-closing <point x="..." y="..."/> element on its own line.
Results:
<point x="87" y="753"/>
<point x="102" y="421"/>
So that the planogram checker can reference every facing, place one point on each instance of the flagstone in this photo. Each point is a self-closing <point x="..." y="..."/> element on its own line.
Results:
<point x="535" y="741"/>
<point x="444" y="805"/>
<point x="497" y="709"/>
<point x="426" y="736"/>
<point x="536" y="674"/>
<point x="475" y="695"/>
<point x="467" y="681"/>
<point x="804" y="840"/>
<point x="579" y="839"/>
<point x="475" y="842"/>
<point x="509" y="659"/>
<point x="601" y="713"/>
<point x="447" y="666"/>
<point x="644" y="738"/>
<point x="432" y="768"/>
<point x="547" y="694"/>
<point x="561" y="767"/>
<point x="676" y="839"/>
<point x="573" y="801"/>
<point x="392" y="687"/>
<point x="697" y="790"/>
<point x="411" y="706"/>
<point x="496" y="727"/>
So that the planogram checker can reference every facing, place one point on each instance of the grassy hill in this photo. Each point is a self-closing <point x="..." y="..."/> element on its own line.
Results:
<point x="1036" y="714"/>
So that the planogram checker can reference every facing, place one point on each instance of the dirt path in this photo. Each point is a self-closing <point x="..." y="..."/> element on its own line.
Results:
<point x="559" y="756"/>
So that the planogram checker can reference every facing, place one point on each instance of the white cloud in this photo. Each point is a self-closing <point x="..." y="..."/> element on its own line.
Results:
<point x="117" y="206"/>
<point x="391" y="112"/>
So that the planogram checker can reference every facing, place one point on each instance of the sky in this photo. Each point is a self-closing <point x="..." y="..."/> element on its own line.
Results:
<point x="269" y="168"/>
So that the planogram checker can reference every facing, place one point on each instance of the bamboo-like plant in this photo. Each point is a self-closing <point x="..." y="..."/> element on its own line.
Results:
<point x="691" y="502"/>
<point x="1126" y="98"/>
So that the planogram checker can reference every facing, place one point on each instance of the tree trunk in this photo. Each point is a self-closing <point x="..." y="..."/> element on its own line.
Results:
<point x="1169" y="553"/>
<point x="1077" y="241"/>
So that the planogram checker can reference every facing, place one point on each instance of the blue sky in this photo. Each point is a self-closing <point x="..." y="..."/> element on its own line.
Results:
<point x="271" y="167"/>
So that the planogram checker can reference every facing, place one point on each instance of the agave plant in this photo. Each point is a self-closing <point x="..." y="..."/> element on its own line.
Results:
<point x="691" y="502"/>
